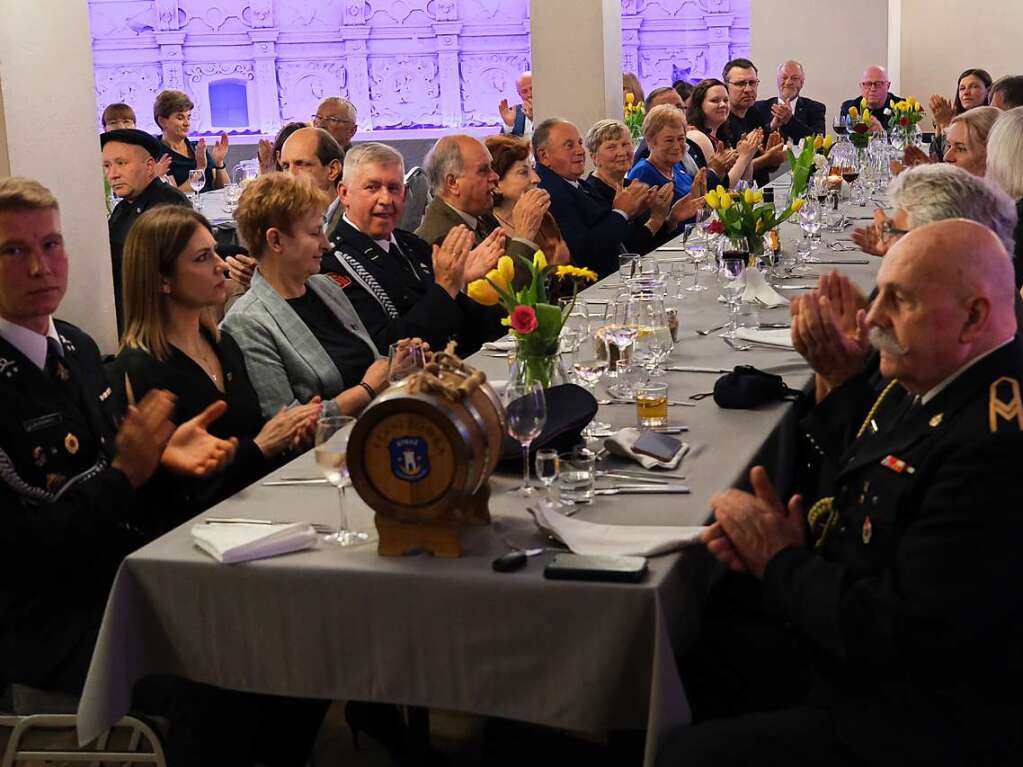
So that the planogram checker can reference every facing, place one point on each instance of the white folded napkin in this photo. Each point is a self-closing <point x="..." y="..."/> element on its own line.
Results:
<point x="620" y="443"/>
<point x="782" y="337"/>
<point x="758" y="291"/>
<point x="239" y="542"/>
<point x="506" y="344"/>
<point x="591" y="539"/>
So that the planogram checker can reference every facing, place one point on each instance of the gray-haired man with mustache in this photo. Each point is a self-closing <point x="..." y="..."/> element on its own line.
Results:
<point x="880" y="622"/>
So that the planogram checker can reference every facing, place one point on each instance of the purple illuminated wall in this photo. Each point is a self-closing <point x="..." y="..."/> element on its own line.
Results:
<point x="404" y="63"/>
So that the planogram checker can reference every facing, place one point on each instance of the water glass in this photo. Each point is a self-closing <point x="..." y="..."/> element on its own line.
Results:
<point x="197" y="181"/>
<point x="403" y="359"/>
<point x="652" y="404"/>
<point x="732" y="278"/>
<point x="577" y="476"/>
<point x="547" y="468"/>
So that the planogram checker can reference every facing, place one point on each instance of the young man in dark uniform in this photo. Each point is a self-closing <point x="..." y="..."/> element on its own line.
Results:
<point x="884" y="624"/>
<point x="68" y="508"/>
<point x="401" y="286"/>
<point x="129" y="162"/>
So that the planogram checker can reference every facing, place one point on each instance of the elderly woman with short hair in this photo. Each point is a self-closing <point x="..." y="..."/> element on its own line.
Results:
<point x="1005" y="170"/>
<point x="299" y="334"/>
<point x="172" y="111"/>
<point x="664" y="130"/>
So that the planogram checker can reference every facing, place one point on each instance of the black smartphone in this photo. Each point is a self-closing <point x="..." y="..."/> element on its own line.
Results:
<point x="575" y="567"/>
<point x="656" y="445"/>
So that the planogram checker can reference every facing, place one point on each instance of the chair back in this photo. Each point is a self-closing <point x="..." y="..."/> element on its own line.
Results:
<point x="417" y="197"/>
<point x="48" y="738"/>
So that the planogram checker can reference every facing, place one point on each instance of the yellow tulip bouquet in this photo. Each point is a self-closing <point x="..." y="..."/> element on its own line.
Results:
<point x="635" y="113"/>
<point x="535" y="324"/>
<point x="822" y="144"/>
<point x="904" y="115"/>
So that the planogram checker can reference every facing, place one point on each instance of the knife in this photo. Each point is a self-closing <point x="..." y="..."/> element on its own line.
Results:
<point x="691" y="369"/>
<point x="632" y="478"/>
<point x="295" y="481"/>
<point x="843" y="261"/>
<point x="641" y="489"/>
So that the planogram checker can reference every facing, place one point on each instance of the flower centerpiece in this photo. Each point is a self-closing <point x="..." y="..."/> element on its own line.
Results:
<point x="859" y="125"/>
<point x="635" y="113"/>
<point x="822" y="144"/>
<point x="744" y="215"/>
<point x="535" y="324"/>
<point x="904" y="115"/>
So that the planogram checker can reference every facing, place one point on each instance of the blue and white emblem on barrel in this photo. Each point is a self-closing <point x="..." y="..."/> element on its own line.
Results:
<point x="409" y="458"/>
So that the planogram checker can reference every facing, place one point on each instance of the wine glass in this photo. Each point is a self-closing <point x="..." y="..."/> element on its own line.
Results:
<point x="332" y="433"/>
<point x="527" y="413"/>
<point x="732" y="278"/>
<point x="619" y="335"/>
<point x="697" y="251"/>
<point x="403" y="359"/>
<point x="588" y="372"/>
<point x="678" y="279"/>
<point x="197" y="181"/>
<point x="810" y="223"/>
<point x="547" y="468"/>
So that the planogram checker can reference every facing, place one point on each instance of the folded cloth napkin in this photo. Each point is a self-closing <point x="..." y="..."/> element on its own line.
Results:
<point x="620" y="443"/>
<point x="505" y="344"/>
<point x="591" y="539"/>
<point x="239" y="542"/>
<point x="758" y="291"/>
<point x="782" y="338"/>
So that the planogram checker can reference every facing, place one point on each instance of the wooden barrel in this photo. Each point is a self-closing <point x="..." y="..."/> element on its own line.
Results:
<point x="418" y="457"/>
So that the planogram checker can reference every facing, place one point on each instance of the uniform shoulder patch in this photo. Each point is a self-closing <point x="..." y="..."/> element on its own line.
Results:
<point x="1004" y="403"/>
<point x="341" y="280"/>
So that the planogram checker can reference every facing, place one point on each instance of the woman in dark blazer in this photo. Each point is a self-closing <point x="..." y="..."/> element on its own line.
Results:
<point x="173" y="282"/>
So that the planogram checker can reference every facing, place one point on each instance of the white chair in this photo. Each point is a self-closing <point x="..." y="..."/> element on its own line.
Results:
<point x="48" y="738"/>
<point x="417" y="197"/>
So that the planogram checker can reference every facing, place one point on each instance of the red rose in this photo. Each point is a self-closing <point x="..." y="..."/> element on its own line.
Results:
<point x="716" y="227"/>
<point x="903" y="121"/>
<point x="860" y="127"/>
<point x="523" y="319"/>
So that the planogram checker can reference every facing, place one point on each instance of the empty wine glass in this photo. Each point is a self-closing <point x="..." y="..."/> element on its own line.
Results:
<point x="547" y="468"/>
<point x="197" y="181"/>
<point x="732" y="278"/>
<point x="527" y="413"/>
<point x="810" y="223"/>
<point x="403" y="359"/>
<point x="696" y="249"/>
<point x="332" y="433"/>
<point x="588" y="372"/>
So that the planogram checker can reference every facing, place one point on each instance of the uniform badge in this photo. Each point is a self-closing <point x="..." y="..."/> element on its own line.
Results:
<point x="62" y="372"/>
<point x="39" y="457"/>
<point x="897" y="465"/>
<point x="105" y="395"/>
<point x="71" y="443"/>
<point x="868" y="530"/>
<point x="935" y="421"/>
<point x="53" y="481"/>
<point x="1007" y="408"/>
<point x="341" y="280"/>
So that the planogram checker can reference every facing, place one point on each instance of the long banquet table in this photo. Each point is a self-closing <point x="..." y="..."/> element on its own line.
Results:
<point x="453" y="634"/>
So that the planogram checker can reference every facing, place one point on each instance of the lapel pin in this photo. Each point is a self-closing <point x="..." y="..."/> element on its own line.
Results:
<point x="897" y="465"/>
<point x="39" y="457"/>
<point x="868" y="530"/>
<point x="935" y="421"/>
<point x="71" y="443"/>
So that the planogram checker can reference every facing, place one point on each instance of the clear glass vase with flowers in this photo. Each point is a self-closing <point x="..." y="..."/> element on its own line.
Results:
<point x="535" y="324"/>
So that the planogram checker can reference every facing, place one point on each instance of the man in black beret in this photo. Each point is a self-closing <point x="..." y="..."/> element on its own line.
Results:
<point x="130" y="164"/>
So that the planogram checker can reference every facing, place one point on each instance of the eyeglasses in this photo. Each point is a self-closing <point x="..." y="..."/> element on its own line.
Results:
<point x="873" y="83"/>
<point x="740" y="84"/>
<point x="334" y="120"/>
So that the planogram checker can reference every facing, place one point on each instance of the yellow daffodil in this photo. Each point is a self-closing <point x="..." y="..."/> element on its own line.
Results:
<point x="854" y="113"/>
<point x="576" y="271"/>
<point x="828" y="141"/>
<point x="539" y="260"/>
<point x="482" y="292"/>
<point x="796" y="204"/>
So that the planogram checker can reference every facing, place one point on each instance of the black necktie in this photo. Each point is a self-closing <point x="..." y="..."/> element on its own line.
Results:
<point x="54" y="364"/>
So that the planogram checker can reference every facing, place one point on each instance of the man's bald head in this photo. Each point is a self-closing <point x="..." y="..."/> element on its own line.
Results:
<point x="313" y="152"/>
<point x="874" y="86"/>
<point x="945" y="295"/>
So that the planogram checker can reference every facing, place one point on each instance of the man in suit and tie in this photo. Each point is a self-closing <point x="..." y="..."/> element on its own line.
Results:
<point x="464" y="182"/>
<point x="400" y="286"/>
<point x="593" y="230"/>
<point x="792" y="114"/>
<point x="518" y="119"/>
<point x="874" y="85"/>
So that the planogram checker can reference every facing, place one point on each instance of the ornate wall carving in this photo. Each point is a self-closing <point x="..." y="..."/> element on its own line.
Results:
<point x="404" y="63"/>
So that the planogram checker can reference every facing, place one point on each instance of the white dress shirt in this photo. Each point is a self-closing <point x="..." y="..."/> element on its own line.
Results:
<point x="28" y="342"/>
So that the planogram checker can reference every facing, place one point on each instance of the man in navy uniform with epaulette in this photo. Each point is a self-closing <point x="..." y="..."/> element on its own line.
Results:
<point x="884" y="623"/>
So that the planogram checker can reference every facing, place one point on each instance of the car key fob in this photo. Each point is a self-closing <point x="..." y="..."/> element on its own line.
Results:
<point x="510" y="562"/>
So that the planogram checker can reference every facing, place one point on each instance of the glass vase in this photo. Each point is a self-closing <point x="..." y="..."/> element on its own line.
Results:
<point x="540" y="363"/>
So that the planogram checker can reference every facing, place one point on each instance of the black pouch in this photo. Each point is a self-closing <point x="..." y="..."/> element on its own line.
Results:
<point x="746" y="387"/>
<point x="569" y="409"/>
